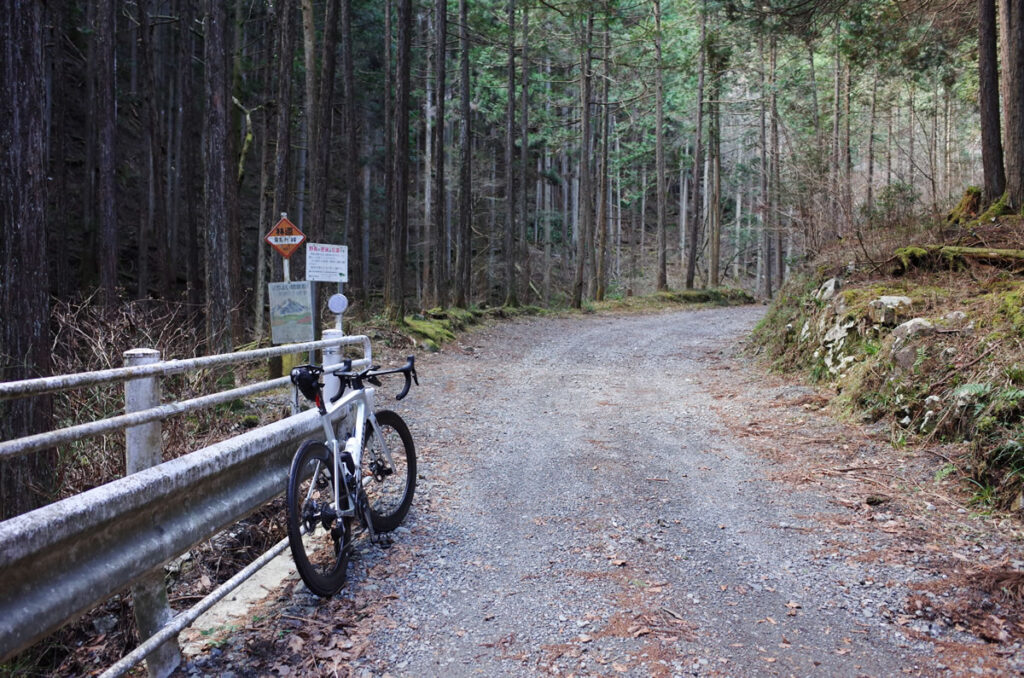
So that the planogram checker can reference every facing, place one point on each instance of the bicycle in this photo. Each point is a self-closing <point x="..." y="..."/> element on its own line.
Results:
<point x="365" y="469"/>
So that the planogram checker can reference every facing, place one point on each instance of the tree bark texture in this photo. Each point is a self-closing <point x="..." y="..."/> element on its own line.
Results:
<point x="511" y="299"/>
<point x="698" y="159"/>
<point x="585" y="198"/>
<point x="522" y="253"/>
<point x="994" y="181"/>
<point x="282" y="157"/>
<point x="601" y="267"/>
<point x="464" y="258"/>
<point x="219" y="180"/>
<point x="394" y="293"/>
<point x="1011" y="19"/>
<point x="25" y="482"/>
<point x="661" y="275"/>
<point x="105" y="113"/>
<point x="439" y="248"/>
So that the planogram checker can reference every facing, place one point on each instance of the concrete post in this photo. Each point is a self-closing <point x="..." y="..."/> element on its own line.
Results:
<point x="143" y="444"/>
<point x="144" y="448"/>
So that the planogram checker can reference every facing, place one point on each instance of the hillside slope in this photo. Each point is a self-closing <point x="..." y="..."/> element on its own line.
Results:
<point x="927" y="341"/>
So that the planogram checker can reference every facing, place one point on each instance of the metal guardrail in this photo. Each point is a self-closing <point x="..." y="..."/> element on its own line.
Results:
<point x="63" y="559"/>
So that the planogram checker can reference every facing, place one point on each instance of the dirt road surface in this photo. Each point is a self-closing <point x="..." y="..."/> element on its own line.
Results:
<point x="627" y="495"/>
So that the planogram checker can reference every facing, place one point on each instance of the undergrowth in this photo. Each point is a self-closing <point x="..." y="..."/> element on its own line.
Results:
<point x="961" y="381"/>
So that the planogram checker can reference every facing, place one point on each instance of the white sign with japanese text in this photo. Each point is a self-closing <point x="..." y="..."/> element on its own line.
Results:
<point x="326" y="263"/>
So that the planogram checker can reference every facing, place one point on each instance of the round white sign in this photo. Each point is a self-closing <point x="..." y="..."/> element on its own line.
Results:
<point x="337" y="303"/>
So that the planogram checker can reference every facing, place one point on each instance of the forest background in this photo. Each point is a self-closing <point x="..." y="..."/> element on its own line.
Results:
<point x="472" y="152"/>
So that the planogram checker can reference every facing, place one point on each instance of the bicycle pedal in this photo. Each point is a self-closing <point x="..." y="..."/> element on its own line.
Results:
<point x="384" y="542"/>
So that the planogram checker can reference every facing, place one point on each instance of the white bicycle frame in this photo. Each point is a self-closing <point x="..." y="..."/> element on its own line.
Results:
<point x="360" y="406"/>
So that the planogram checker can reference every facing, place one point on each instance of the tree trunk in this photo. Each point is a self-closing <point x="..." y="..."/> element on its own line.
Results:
<point x="389" y="144"/>
<point x="815" y="114"/>
<point x="988" y="103"/>
<point x="236" y="167"/>
<point x="219" y="180"/>
<point x="601" y="273"/>
<point x="659" y="152"/>
<point x="764" y="251"/>
<point x="583" y="196"/>
<point x="356" y="211"/>
<point x="869" y="202"/>
<point x="548" y="193"/>
<point x="429" y="243"/>
<point x="911" y="167"/>
<point x="698" y="158"/>
<point x="106" y="116"/>
<point x="309" y="115"/>
<point x="394" y="292"/>
<point x="442" y="281"/>
<point x="465" y="253"/>
<point x="319" y="96"/>
<point x="25" y="482"/>
<point x="282" y="158"/>
<point x="510" y="182"/>
<point x="888" y="149"/>
<point x="835" y="187"/>
<point x="260" y="298"/>
<point x="191" y="162"/>
<point x="684" y="202"/>
<point x="1011" y="15"/>
<point x="523" y="251"/>
<point x="775" y="164"/>
<point x="155" y="222"/>
<point x="716" y="66"/>
<point x="59" y="200"/>
<point x="325" y="120"/>
<point x="847" y="156"/>
<point x="643" y="216"/>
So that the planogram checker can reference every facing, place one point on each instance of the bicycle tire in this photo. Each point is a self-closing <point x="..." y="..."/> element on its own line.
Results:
<point x="389" y="495"/>
<point x="321" y="553"/>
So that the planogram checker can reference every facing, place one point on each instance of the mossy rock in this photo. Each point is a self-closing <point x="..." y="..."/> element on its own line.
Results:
<point x="436" y="331"/>
<point x="720" y="296"/>
<point x="912" y="256"/>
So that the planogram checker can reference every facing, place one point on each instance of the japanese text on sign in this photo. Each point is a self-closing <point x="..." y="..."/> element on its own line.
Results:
<point x="326" y="263"/>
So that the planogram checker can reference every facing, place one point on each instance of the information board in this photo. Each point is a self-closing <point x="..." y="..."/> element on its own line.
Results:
<point x="291" y="312"/>
<point x="326" y="263"/>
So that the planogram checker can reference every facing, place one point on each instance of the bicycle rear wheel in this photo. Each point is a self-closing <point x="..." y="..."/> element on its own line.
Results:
<point x="389" y="488"/>
<point x="319" y="541"/>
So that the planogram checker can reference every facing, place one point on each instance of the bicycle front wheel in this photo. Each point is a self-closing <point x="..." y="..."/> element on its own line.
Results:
<point x="389" y="486"/>
<point x="319" y="540"/>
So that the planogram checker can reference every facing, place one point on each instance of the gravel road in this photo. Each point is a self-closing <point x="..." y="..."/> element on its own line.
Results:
<point x="597" y="497"/>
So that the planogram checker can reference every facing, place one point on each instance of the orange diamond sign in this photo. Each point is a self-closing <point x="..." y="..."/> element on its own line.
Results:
<point x="285" y="237"/>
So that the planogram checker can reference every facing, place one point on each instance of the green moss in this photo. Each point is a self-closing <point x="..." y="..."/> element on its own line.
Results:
<point x="792" y="307"/>
<point x="911" y="256"/>
<point x="719" y="296"/>
<point x="997" y="209"/>
<point x="456" y="318"/>
<point x="1011" y="308"/>
<point x="436" y="331"/>
<point x="967" y="209"/>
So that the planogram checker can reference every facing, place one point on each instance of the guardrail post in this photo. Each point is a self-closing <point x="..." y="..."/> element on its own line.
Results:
<point x="144" y="448"/>
<point x="332" y="356"/>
